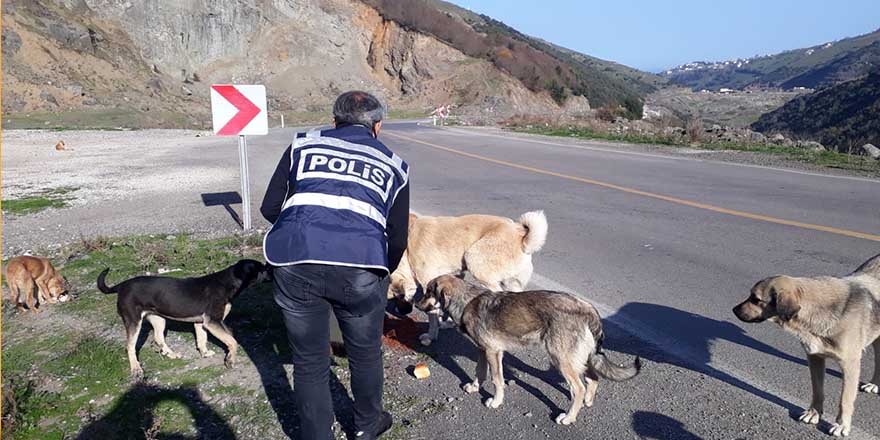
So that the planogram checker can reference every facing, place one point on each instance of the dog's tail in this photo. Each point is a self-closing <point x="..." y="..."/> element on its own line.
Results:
<point x="102" y="285"/>
<point x="535" y="224"/>
<point x="600" y="364"/>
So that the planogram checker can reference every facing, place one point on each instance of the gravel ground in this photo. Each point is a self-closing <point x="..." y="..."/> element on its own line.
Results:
<point x="126" y="182"/>
<point x="153" y="181"/>
<point x="102" y="165"/>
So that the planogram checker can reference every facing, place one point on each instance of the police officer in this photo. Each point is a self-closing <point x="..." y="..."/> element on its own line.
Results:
<point x="339" y="207"/>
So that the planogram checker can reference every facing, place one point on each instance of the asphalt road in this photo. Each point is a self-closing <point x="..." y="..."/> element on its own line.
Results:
<point x="666" y="272"/>
<point x="664" y="246"/>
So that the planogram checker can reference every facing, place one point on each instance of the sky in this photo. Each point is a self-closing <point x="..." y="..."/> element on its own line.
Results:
<point x="654" y="35"/>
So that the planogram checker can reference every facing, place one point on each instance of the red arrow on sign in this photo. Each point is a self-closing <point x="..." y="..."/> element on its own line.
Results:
<point x="247" y="111"/>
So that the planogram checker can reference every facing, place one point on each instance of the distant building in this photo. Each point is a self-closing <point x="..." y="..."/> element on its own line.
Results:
<point x="725" y="91"/>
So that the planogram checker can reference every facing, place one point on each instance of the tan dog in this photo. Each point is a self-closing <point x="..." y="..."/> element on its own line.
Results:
<point x="834" y="318"/>
<point x="497" y="251"/>
<point x="568" y="327"/>
<point x="24" y="273"/>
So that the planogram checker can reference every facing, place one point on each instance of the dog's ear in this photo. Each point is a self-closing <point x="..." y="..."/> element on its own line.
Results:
<point x="432" y="289"/>
<point x="760" y="287"/>
<point x="788" y="299"/>
<point x="448" y="286"/>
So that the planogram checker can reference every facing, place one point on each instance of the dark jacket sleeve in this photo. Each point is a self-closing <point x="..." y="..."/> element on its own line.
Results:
<point x="277" y="192"/>
<point x="398" y="228"/>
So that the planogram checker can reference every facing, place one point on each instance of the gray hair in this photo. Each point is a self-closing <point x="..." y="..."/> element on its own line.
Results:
<point x="358" y="107"/>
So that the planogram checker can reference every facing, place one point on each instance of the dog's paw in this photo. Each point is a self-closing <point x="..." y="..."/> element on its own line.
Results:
<point x="810" y="416"/>
<point x="869" y="387"/>
<point x="588" y="401"/>
<point x="564" y="419"/>
<point x="425" y="339"/>
<point x="494" y="402"/>
<point x="167" y="352"/>
<point x="208" y="353"/>
<point x="839" y="430"/>
<point x="229" y="362"/>
<point x="471" y="387"/>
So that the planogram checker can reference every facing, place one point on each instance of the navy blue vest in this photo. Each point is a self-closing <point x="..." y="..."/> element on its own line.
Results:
<point x="345" y="182"/>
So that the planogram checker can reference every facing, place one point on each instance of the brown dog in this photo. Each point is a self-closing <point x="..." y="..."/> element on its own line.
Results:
<point x="25" y="272"/>
<point x="568" y="327"/>
<point x="833" y="318"/>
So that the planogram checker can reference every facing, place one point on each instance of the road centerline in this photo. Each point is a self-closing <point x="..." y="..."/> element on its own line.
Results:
<point x="670" y="199"/>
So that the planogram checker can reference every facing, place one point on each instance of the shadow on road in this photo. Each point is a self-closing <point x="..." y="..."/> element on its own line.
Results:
<point x="258" y="327"/>
<point x="224" y="199"/>
<point x="651" y="425"/>
<point x="703" y="332"/>
<point x="132" y="416"/>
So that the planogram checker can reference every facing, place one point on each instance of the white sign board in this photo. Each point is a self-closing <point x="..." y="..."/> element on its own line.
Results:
<point x="239" y="110"/>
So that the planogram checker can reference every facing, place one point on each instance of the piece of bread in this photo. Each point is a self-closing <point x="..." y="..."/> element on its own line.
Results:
<point x="421" y="371"/>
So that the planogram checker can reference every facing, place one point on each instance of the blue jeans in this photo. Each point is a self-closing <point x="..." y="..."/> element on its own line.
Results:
<point x="306" y="294"/>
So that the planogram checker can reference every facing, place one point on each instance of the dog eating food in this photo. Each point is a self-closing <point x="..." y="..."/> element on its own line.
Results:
<point x="24" y="274"/>
<point x="568" y="327"/>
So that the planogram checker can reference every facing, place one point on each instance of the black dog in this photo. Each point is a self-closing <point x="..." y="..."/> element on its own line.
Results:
<point x="204" y="301"/>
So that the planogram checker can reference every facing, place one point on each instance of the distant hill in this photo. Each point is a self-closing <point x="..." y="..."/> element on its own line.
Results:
<point x="813" y="67"/>
<point x="537" y="64"/>
<point x="844" y="116"/>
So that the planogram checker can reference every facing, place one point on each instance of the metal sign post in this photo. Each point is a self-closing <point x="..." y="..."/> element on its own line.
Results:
<point x="240" y="110"/>
<point x="245" y="183"/>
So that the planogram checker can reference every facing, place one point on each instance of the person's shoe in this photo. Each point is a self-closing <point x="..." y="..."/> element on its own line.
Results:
<point x="383" y="425"/>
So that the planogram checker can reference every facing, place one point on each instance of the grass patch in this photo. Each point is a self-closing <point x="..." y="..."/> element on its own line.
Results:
<point x="199" y="375"/>
<point x="89" y="370"/>
<point x="325" y="117"/>
<point x="52" y="198"/>
<point x="176" y="255"/>
<point x="29" y="205"/>
<point x="65" y="381"/>
<point x="828" y="159"/>
<point x="406" y="114"/>
<point x="27" y="352"/>
<point x="104" y="119"/>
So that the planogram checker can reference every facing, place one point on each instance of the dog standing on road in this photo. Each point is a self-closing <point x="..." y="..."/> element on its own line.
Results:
<point x="833" y="318"/>
<point x="203" y="301"/>
<point x="569" y="328"/>
<point x="24" y="273"/>
<point x="497" y="251"/>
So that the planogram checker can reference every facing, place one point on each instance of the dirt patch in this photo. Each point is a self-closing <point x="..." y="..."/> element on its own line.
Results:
<point x="402" y="334"/>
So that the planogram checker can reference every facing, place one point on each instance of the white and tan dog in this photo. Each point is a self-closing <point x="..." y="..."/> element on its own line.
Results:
<point x="834" y="318"/>
<point x="497" y="251"/>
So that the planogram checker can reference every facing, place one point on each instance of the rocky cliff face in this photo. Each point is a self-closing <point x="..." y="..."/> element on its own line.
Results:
<point x="162" y="56"/>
